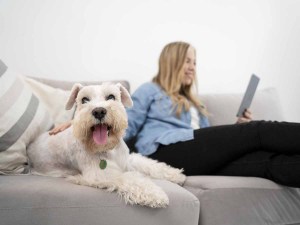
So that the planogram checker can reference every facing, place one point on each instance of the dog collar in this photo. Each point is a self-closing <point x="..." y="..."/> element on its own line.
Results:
<point x="102" y="164"/>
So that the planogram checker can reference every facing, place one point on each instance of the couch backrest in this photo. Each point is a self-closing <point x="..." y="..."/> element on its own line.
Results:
<point x="67" y="85"/>
<point x="223" y="107"/>
<point x="55" y="93"/>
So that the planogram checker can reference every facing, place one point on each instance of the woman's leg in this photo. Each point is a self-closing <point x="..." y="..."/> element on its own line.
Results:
<point x="211" y="149"/>
<point x="217" y="147"/>
<point x="279" y="137"/>
<point x="283" y="169"/>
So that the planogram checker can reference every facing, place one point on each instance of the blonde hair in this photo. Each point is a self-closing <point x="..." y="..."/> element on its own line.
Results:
<point x="170" y="76"/>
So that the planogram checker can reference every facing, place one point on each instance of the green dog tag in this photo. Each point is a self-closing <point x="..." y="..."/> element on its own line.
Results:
<point x="102" y="164"/>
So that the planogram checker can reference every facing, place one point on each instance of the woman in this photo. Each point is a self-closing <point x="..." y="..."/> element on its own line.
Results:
<point x="170" y="124"/>
<point x="168" y="108"/>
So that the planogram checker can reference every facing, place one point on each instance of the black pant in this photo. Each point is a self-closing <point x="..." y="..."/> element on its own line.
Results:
<point x="262" y="149"/>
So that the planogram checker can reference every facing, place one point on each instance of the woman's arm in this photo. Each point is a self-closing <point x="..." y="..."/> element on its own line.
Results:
<point x="60" y="128"/>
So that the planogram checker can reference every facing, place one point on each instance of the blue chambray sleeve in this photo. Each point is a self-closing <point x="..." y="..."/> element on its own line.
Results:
<point x="142" y="99"/>
<point x="204" y="122"/>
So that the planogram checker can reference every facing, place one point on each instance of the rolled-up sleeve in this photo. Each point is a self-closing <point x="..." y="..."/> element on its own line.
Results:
<point x="204" y="122"/>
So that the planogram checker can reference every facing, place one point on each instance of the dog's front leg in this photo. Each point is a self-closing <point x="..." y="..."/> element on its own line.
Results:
<point x="137" y="189"/>
<point x="155" y="169"/>
<point x="132" y="186"/>
<point x="93" y="176"/>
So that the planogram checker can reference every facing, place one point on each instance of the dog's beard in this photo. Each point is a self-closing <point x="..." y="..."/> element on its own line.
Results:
<point x="99" y="137"/>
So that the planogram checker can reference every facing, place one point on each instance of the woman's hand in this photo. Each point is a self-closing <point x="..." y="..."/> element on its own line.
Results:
<point x="247" y="117"/>
<point x="60" y="128"/>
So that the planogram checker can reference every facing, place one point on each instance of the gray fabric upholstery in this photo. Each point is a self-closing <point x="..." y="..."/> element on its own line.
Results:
<point x="223" y="107"/>
<point x="67" y="85"/>
<point x="215" y="182"/>
<point x="252" y="205"/>
<point x="36" y="200"/>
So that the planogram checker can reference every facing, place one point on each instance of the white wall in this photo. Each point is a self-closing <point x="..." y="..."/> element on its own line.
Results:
<point x="103" y="40"/>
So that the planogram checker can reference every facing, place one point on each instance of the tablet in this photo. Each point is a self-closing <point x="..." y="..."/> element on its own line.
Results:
<point x="249" y="94"/>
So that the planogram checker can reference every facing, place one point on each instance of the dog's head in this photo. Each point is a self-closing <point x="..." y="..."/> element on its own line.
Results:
<point x="100" y="119"/>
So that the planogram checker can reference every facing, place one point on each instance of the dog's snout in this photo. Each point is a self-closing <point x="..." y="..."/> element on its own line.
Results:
<point x="99" y="113"/>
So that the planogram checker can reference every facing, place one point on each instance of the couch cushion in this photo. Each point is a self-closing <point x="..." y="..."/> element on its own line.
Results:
<point x="214" y="182"/>
<point x="244" y="200"/>
<point x="223" y="107"/>
<point x="39" y="200"/>
<point x="22" y="118"/>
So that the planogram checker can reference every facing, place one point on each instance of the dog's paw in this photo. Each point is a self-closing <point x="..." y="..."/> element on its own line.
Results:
<point x="157" y="200"/>
<point x="143" y="192"/>
<point x="174" y="175"/>
<point x="177" y="177"/>
<point x="154" y="198"/>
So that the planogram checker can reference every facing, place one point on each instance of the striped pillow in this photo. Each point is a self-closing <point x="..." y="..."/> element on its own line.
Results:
<point x="22" y="118"/>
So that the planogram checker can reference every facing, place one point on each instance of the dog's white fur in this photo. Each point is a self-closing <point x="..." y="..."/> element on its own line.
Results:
<point x="73" y="153"/>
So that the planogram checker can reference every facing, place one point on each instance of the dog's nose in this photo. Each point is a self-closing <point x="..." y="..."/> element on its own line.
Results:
<point x="99" y="113"/>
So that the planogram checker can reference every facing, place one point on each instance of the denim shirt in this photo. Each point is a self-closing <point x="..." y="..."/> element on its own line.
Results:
<point x="153" y="120"/>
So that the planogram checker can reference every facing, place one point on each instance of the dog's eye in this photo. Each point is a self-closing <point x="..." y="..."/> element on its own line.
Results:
<point x="85" y="100"/>
<point x="110" y="97"/>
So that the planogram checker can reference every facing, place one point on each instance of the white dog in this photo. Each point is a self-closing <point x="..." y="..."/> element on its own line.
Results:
<point x="92" y="151"/>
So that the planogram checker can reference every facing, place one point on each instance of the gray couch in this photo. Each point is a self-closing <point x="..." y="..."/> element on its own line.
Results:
<point x="205" y="200"/>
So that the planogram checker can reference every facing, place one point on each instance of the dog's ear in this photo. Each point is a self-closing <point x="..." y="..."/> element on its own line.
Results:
<point x="74" y="92"/>
<point x="125" y="96"/>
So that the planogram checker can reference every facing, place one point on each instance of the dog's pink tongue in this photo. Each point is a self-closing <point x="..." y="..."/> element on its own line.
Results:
<point x="100" y="134"/>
